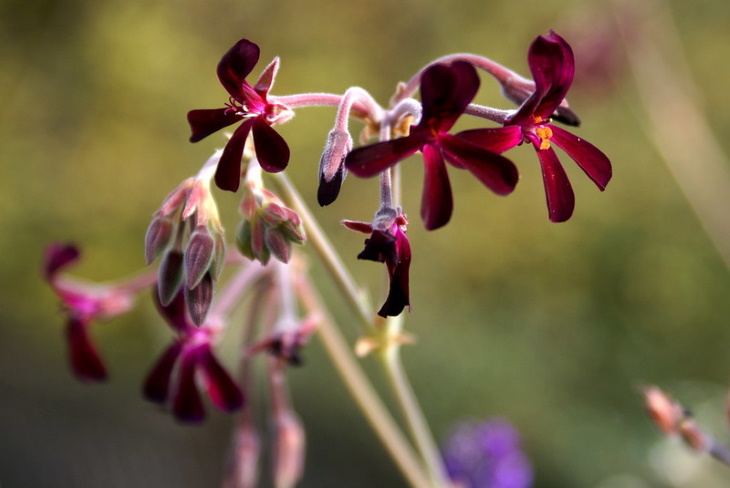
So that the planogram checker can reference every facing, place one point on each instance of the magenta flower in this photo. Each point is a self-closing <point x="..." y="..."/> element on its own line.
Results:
<point x="250" y="105"/>
<point x="446" y="90"/>
<point x="552" y="65"/>
<point x="388" y="244"/>
<point x="84" y="304"/>
<point x="191" y="353"/>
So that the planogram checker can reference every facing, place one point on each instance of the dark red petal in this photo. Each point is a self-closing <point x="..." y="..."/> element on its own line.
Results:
<point x="222" y="390"/>
<point x="58" y="256"/>
<point x="236" y="64"/>
<point x="590" y="159"/>
<point x="552" y="65"/>
<point x="85" y="360"/>
<point x="157" y="384"/>
<point x="363" y="227"/>
<point x="380" y="247"/>
<point x="446" y="90"/>
<point x="496" y="172"/>
<point x="228" y="172"/>
<point x="187" y="405"/>
<point x="271" y="149"/>
<point x="559" y="193"/>
<point x="436" y="202"/>
<point x="175" y="312"/>
<point x="398" y="292"/>
<point x="207" y="121"/>
<point x="498" y="139"/>
<point x="367" y="161"/>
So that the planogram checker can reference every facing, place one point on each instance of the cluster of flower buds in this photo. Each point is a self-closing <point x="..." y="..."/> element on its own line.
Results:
<point x="268" y="228"/>
<point x="189" y="211"/>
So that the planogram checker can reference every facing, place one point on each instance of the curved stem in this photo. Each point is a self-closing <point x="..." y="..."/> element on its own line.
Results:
<point x="360" y="388"/>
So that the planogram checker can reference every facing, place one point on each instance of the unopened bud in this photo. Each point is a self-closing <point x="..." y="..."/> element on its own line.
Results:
<point x="258" y="241"/>
<point x="157" y="238"/>
<point x="242" y="470"/>
<point x="219" y="256"/>
<point x="289" y="450"/>
<point x="278" y="245"/>
<point x="198" y="256"/>
<point x="198" y="299"/>
<point x="332" y="171"/>
<point x="169" y="276"/>
<point x="662" y="408"/>
<point x="243" y="239"/>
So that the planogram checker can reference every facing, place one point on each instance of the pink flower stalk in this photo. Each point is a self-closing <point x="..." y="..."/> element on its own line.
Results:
<point x="446" y="91"/>
<point x="553" y="67"/>
<point x="250" y="105"/>
<point x="187" y="365"/>
<point x="84" y="304"/>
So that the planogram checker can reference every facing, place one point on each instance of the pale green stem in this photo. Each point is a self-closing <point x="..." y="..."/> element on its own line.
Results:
<point x="360" y="388"/>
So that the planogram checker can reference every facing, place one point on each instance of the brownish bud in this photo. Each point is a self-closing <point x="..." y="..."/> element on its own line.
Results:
<point x="198" y="256"/>
<point x="157" y="238"/>
<point x="198" y="299"/>
<point x="169" y="276"/>
<point x="219" y="256"/>
<point x="278" y="245"/>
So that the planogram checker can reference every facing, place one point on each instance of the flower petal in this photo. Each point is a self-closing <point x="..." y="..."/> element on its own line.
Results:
<point x="363" y="227"/>
<point x="228" y="172"/>
<point x="398" y="292"/>
<point x="367" y="161"/>
<point x="222" y="390"/>
<point x="446" y="90"/>
<point x="85" y="360"/>
<point x="157" y="384"/>
<point x="58" y="256"/>
<point x="207" y="121"/>
<point x="187" y="406"/>
<point x="558" y="192"/>
<point x="590" y="159"/>
<point x="271" y="149"/>
<point x="175" y="312"/>
<point x="496" y="172"/>
<point x="498" y="139"/>
<point x="236" y="64"/>
<point x="552" y="65"/>
<point x="437" y="201"/>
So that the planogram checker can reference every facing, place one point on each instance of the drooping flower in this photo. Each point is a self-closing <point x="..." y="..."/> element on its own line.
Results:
<point x="249" y="104"/>
<point x="486" y="454"/>
<point x="446" y="90"/>
<point x="552" y="65"/>
<point x="388" y="244"/>
<point x="84" y="304"/>
<point x="187" y="365"/>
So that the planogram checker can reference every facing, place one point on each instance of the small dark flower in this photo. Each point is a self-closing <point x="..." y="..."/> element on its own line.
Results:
<point x="486" y="455"/>
<point x="388" y="244"/>
<point x="250" y="105"/>
<point x="553" y="67"/>
<point x="446" y="90"/>
<point x="84" y="304"/>
<point x="186" y="365"/>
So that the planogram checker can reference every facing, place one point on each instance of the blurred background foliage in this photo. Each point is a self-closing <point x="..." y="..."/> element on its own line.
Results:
<point x="553" y="327"/>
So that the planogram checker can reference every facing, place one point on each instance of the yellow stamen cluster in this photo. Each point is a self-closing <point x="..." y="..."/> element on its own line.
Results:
<point x="544" y="133"/>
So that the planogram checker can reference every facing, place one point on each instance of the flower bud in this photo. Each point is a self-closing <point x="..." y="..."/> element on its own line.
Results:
<point x="332" y="171"/>
<point x="663" y="409"/>
<point x="242" y="469"/>
<point x="169" y="276"/>
<point x="198" y="256"/>
<point x="219" y="256"/>
<point x="157" y="238"/>
<point x="278" y="245"/>
<point x="243" y="239"/>
<point x="199" y="298"/>
<point x="289" y="450"/>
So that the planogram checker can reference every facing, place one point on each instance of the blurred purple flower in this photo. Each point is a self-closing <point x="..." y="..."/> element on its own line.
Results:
<point x="249" y="104"/>
<point x="446" y="91"/>
<point x="486" y="454"/>
<point x="192" y="353"/>
<point x="84" y="304"/>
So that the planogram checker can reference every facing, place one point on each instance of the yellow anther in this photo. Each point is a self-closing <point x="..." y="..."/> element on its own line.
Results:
<point x="544" y="133"/>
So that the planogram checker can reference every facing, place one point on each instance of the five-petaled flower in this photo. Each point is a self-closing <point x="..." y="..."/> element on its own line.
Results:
<point x="252" y="106"/>
<point x="446" y="91"/>
<point x="388" y="244"/>
<point x="84" y="304"/>
<point x="552" y="65"/>
<point x="192" y="353"/>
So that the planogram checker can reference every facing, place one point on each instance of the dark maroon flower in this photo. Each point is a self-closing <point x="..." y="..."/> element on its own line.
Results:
<point x="84" y="304"/>
<point x="250" y="105"/>
<point x="553" y="67"/>
<point x="187" y="363"/>
<point x="388" y="244"/>
<point x="446" y="90"/>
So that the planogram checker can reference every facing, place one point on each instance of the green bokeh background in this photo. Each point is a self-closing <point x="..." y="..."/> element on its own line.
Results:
<point x="554" y="327"/>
